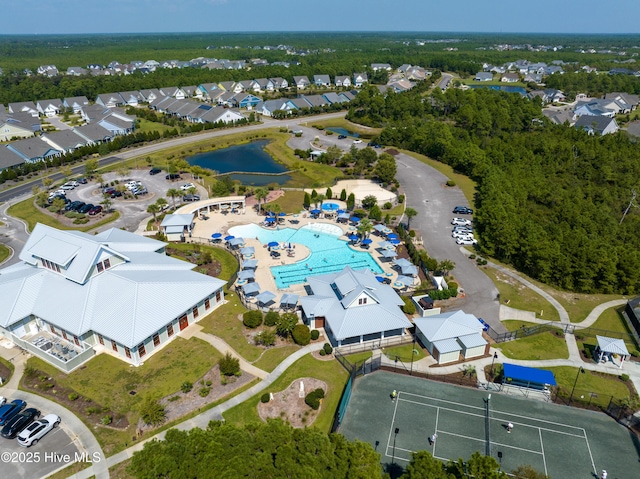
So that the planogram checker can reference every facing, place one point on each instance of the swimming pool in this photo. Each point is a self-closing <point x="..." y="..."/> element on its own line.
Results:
<point x="328" y="253"/>
<point x="330" y="206"/>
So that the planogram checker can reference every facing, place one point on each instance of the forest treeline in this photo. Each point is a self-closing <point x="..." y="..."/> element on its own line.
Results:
<point x="550" y="199"/>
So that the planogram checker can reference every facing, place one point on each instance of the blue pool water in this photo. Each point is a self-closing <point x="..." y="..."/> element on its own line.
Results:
<point x="329" y="254"/>
<point x="330" y="206"/>
<point x="343" y="131"/>
<point x="508" y="89"/>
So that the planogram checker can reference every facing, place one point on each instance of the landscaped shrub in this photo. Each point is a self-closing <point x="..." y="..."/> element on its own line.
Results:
<point x="409" y="306"/>
<point x="313" y="398"/>
<point x="387" y="205"/>
<point x="322" y="353"/>
<point x="315" y="334"/>
<point x="271" y="318"/>
<point x="252" y="319"/>
<point x="229" y="366"/>
<point x="327" y="348"/>
<point x="400" y="199"/>
<point x="266" y="338"/>
<point x="301" y="334"/>
<point x="451" y="183"/>
<point x="186" y="387"/>
<point x="204" y="392"/>
<point x="152" y="412"/>
<point x="73" y="396"/>
<point x="265" y="398"/>
<point x="624" y="377"/>
<point x="106" y="420"/>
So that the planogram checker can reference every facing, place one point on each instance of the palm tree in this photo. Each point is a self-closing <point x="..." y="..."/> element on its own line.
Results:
<point x="106" y="202"/>
<point x="365" y="227"/>
<point x="261" y="194"/>
<point x="318" y="200"/>
<point x="153" y="209"/>
<point x="99" y="179"/>
<point x="161" y="202"/>
<point x="410" y="212"/>
<point x="173" y="193"/>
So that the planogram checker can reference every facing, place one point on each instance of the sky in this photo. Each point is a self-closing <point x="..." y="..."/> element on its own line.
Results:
<point x="146" y="16"/>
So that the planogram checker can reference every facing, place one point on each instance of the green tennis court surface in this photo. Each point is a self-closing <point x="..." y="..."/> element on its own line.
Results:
<point x="563" y="442"/>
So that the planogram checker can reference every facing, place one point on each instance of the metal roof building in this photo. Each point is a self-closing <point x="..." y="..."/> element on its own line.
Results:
<point x="353" y="307"/>
<point x="115" y="292"/>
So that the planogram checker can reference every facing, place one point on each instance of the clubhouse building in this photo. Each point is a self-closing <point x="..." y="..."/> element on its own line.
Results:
<point x="73" y="295"/>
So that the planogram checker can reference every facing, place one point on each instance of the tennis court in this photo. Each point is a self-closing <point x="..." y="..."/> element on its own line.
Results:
<point x="557" y="440"/>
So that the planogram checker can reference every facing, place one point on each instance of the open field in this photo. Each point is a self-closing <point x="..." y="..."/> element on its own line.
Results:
<point x="4" y="252"/>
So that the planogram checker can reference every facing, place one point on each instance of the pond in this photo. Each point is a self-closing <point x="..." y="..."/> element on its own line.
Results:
<point x="508" y="89"/>
<point x="343" y="131"/>
<point x="248" y="159"/>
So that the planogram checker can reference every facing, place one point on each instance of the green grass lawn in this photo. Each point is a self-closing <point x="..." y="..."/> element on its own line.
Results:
<point x="404" y="352"/>
<point x="106" y="381"/>
<point x="145" y="125"/>
<point x="228" y="262"/>
<point x="513" y="324"/>
<point x="603" y="385"/>
<point x="27" y="211"/>
<point x="520" y="296"/>
<point x="330" y="372"/>
<point x="4" y="252"/>
<point x="291" y="202"/>
<point x="274" y="356"/>
<point x="359" y="358"/>
<point x="224" y="323"/>
<point x="610" y="320"/>
<point x="364" y="132"/>
<point x="538" y="346"/>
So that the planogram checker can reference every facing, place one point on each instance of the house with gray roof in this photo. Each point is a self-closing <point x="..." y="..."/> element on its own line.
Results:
<point x="298" y="103"/>
<point x="483" y="76"/>
<point x="343" y="80"/>
<point x="279" y="83"/>
<point x="24" y="106"/>
<point x="9" y="158"/>
<point x="380" y="66"/>
<point x="601" y="125"/>
<point x="332" y="97"/>
<point x="49" y="108"/>
<point x="301" y="82"/>
<point x="75" y="295"/>
<point x="149" y="95"/>
<point x="267" y="108"/>
<point x="76" y="71"/>
<point x="353" y="307"/>
<point x="451" y="336"/>
<point x="131" y="98"/>
<point x="93" y="133"/>
<point x="76" y="103"/>
<point x="17" y="125"/>
<point x="359" y="79"/>
<point x="322" y="80"/>
<point x="109" y="100"/>
<point x="32" y="150"/>
<point x="65" y="140"/>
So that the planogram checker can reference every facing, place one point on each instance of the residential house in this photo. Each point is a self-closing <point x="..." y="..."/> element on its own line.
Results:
<point x="401" y="86"/>
<point x="24" y="106"/>
<point x="533" y="78"/>
<point x="76" y="103"/>
<point x="173" y="92"/>
<point x="189" y="91"/>
<point x="417" y="74"/>
<point x="600" y="125"/>
<point x="228" y="98"/>
<point x="263" y="85"/>
<point x="624" y="99"/>
<point x="17" y="125"/>
<point x="93" y="133"/>
<point x="380" y="66"/>
<point x="246" y="100"/>
<point x="353" y="307"/>
<point x="65" y="140"/>
<point x="301" y="82"/>
<point x="316" y="100"/>
<point x="322" y="80"/>
<point x="343" y="81"/>
<point x="279" y="83"/>
<point x="267" y="108"/>
<point x="109" y="100"/>
<point x="483" y="76"/>
<point x="298" y="103"/>
<point x="230" y="86"/>
<point x="451" y="336"/>
<point x="332" y="97"/>
<point x="150" y="95"/>
<point x="206" y="89"/>
<point x="76" y="71"/>
<point x="594" y="108"/>
<point x="220" y="114"/>
<point x="359" y="79"/>
<point x="48" y="70"/>
<point x="9" y="158"/>
<point x="150" y="65"/>
<point x="33" y="150"/>
<point x="510" y="78"/>
<point x="49" y="108"/>
<point x="347" y="95"/>
<point x="131" y="98"/>
<point x="244" y="85"/>
<point x="113" y="292"/>
<point x="560" y="117"/>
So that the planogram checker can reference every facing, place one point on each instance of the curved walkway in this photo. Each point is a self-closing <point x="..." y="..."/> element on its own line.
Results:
<point x="593" y="316"/>
<point x="71" y="424"/>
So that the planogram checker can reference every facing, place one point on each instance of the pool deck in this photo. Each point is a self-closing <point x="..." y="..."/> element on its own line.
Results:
<point x="221" y="223"/>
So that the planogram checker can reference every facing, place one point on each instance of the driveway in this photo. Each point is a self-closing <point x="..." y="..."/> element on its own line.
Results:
<point x="427" y="193"/>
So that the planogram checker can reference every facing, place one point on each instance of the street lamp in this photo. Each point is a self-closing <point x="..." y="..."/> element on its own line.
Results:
<point x="581" y="370"/>
<point x="495" y="356"/>
<point x="393" y="458"/>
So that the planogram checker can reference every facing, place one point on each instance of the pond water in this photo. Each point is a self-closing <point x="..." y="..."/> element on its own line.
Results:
<point x="343" y="131"/>
<point x="249" y="158"/>
<point x="508" y="89"/>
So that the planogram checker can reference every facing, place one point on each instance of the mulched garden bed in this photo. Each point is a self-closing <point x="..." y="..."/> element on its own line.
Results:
<point x="290" y="407"/>
<point x="211" y="268"/>
<point x="5" y="372"/>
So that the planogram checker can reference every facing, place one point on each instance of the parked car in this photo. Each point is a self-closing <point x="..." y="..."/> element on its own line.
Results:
<point x="467" y="241"/>
<point x="186" y="186"/>
<point x="357" y="142"/>
<point x="9" y="410"/>
<point x="341" y="137"/>
<point x="172" y="176"/>
<point x="79" y="205"/>
<point x="374" y="144"/>
<point x="463" y="229"/>
<point x="132" y="184"/>
<point x="85" y="208"/>
<point x="37" y="430"/>
<point x="462" y="210"/>
<point x="83" y="181"/>
<point x="18" y="422"/>
<point x="73" y="205"/>
<point x="95" y="210"/>
<point x="140" y="190"/>
<point x="460" y="222"/>
<point x="67" y="186"/>
<point x="116" y="194"/>
<point x="191" y="198"/>
<point x="3" y="400"/>
<point x="154" y="171"/>
<point x="461" y="234"/>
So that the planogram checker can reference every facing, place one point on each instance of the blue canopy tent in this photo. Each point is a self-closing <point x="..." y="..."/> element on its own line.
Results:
<point x="401" y="262"/>
<point x="250" y="264"/>
<point x="379" y="228"/>
<point x="247" y="251"/>
<point x="251" y="288"/>
<point x="265" y="297"/>
<point x="405" y="280"/>
<point x="216" y="235"/>
<point x="289" y="300"/>
<point x="527" y="378"/>
<point x="367" y="241"/>
<point x="387" y="253"/>
<point x="236" y="241"/>
<point x="354" y="219"/>
<point x="247" y="274"/>
<point x="409" y="270"/>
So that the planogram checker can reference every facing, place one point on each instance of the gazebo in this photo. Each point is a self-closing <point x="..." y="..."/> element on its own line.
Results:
<point x="609" y="347"/>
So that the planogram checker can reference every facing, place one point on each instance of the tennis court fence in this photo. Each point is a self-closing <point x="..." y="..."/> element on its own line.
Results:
<point x="624" y="415"/>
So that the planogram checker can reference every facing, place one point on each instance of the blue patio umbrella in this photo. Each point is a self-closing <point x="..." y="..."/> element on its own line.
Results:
<point x="379" y="228"/>
<point x="395" y="241"/>
<point x="229" y="238"/>
<point x="402" y="262"/>
<point x="340" y="212"/>
<point x="367" y="241"/>
<point x="282" y="213"/>
<point x="392" y="236"/>
<point x="354" y="219"/>
<point x="251" y="288"/>
<point x="271" y="213"/>
<point x="265" y="297"/>
<point x="380" y="279"/>
<point x="246" y="274"/>
<point x="406" y="280"/>
<point x="249" y="263"/>
<point x="247" y="250"/>
<point x="353" y="237"/>
<point x="270" y="219"/>
<point x="387" y="253"/>
<point x="236" y="241"/>
<point x="216" y="235"/>
<point x="410" y="270"/>
<point x="273" y="244"/>
<point x="315" y="212"/>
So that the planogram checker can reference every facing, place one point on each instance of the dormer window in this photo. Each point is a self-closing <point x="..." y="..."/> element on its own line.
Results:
<point x="362" y="300"/>
<point x="50" y="265"/>
<point x="103" y="265"/>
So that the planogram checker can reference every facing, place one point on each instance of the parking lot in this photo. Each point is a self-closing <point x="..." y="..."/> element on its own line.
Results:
<point x="133" y="211"/>
<point x="55" y="450"/>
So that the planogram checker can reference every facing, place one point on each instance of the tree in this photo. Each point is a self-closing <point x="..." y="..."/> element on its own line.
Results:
<point x="229" y="366"/>
<point x="66" y="171"/>
<point x="46" y="183"/>
<point x="161" y="202"/>
<point x="192" y="190"/>
<point x="385" y="168"/>
<point x="152" y="412"/>
<point x="107" y="203"/>
<point x="153" y="209"/>
<point x="445" y="266"/>
<point x="329" y="193"/>
<point x="90" y="167"/>
<point x="351" y="202"/>
<point x="424" y="466"/>
<point x="173" y="193"/>
<point x="286" y="323"/>
<point x="301" y="334"/>
<point x="99" y="179"/>
<point x="35" y="189"/>
<point x="369" y="201"/>
<point x="365" y="227"/>
<point x="306" y="202"/>
<point x="375" y="213"/>
<point x="261" y="194"/>
<point x="318" y="199"/>
<point x="527" y="472"/>
<point x="410" y="212"/>
<point x="58" y="205"/>
<point x="343" y="195"/>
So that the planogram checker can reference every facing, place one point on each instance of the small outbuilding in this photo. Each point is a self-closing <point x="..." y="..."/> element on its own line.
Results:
<point x="609" y="348"/>
<point x="177" y="227"/>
